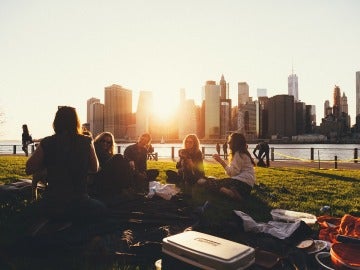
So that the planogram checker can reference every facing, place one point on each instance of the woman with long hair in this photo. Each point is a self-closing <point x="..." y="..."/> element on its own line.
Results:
<point x="114" y="174"/>
<point x="190" y="165"/>
<point x="68" y="156"/>
<point x="240" y="169"/>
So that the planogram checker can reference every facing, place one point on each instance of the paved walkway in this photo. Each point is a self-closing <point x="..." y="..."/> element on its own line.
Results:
<point x="302" y="164"/>
<point x="317" y="165"/>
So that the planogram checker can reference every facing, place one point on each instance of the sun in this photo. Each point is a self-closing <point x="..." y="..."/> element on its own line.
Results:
<point x="164" y="107"/>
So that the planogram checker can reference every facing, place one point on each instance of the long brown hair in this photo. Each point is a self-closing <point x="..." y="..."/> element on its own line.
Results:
<point x="237" y="143"/>
<point x="67" y="121"/>
<point x="196" y="145"/>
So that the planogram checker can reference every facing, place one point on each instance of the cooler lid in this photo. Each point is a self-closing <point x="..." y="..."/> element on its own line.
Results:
<point x="209" y="245"/>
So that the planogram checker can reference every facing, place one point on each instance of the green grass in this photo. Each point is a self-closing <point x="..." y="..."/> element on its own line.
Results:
<point x="298" y="189"/>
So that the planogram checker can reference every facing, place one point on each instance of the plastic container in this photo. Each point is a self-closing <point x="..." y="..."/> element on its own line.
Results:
<point x="195" y="250"/>
<point x="292" y="216"/>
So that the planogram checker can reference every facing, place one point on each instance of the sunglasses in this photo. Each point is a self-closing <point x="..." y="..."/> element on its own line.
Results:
<point x="106" y="141"/>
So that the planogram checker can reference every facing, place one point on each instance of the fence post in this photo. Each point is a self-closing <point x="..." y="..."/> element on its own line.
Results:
<point x="119" y="149"/>
<point x="355" y="155"/>
<point x="32" y="148"/>
<point x="335" y="162"/>
<point x="312" y="154"/>
<point x="203" y="151"/>
<point x="172" y="152"/>
<point x="272" y="153"/>
<point x="14" y="149"/>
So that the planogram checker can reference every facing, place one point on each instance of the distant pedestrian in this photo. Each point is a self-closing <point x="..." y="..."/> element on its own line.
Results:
<point x="218" y="148"/>
<point x="26" y="139"/>
<point x="225" y="147"/>
<point x="264" y="149"/>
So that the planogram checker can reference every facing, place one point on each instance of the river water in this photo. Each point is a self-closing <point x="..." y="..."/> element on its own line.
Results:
<point x="323" y="152"/>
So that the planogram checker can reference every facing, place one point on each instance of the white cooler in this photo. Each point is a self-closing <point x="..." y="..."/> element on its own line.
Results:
<point x="195" y="250"/>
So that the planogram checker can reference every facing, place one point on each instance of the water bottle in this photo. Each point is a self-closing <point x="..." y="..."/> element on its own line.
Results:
<point x="326" y="210"/>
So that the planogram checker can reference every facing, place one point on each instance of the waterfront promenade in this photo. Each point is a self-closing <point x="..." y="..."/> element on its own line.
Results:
<point x="299" y="164"/>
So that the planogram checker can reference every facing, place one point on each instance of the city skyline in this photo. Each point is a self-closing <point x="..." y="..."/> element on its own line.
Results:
<point x="64" y="53"/>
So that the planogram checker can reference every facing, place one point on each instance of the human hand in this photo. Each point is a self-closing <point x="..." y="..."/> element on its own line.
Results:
<point x="216" y="157"/>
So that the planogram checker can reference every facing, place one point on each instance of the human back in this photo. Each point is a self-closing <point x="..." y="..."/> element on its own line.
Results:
<point x="67" y="156"/>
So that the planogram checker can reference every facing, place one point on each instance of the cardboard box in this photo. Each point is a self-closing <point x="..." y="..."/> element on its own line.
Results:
<point x="195" y="250"/>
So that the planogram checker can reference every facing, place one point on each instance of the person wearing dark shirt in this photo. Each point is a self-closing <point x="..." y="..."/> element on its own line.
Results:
<point x="225" y="149"/>
<point x="136" y="155"/>
<point x="264" y="149"/>
<point x="114" y="175"/>
<point x="26" y="139"/>
<point x="68" y="157"/>
<point x="190" y="165"/>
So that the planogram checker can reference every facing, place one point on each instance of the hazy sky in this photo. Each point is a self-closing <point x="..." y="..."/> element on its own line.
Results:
<point x="65" y="52"/>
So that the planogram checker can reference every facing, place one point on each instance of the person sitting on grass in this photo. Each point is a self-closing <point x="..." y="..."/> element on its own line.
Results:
<point x="136" y="155"/>
<point x="190" y="165"/>
<point x="114" y="175"/>
<point x="67" y="156"/>
<point x="240" y="170"/>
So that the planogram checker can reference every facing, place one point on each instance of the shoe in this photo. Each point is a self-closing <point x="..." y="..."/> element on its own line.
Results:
<point x="231" y="193"/>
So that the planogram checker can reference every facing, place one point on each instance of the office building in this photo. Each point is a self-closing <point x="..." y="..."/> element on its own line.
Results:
<point x="310" y="119"/>
<point x="336" y="102"/>
<point x="293" y="86"/>
<point x="248" y="120"/>
<point x="243" y="93"/>
<point x="88" y="105"/>
<point x="96" y="118"/>
<point x="211" y="105"/>
<point x="282" y="119"/>
<point x="118" y="110"/>
<point x="300" y="114"/>
<point x="225" y="108"/>
<point x="143" y="112"/>
<point x="224" y="88"/>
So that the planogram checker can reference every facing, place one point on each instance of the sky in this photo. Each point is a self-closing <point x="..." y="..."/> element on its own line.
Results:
<point x="65" y="52"/>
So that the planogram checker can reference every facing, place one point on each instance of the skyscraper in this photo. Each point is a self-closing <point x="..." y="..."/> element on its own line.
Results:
<point x="243" y="93"/>
<point x="336" y="101"/>
<point x="143" y="112"/>
<point x="188" y="117"/>
<point x="293" y="86"/>
<point x="88" y="105"/>
<point x="211" y="98"/>
<point x="224" y="88"/>
<point x="118" y="110"/>
<point x="225" y="108"/>
<point x="96" y="118"/>
<point x="357" y="93"/>
<point x="344" y="108"/>
<point x="282" y="119"/>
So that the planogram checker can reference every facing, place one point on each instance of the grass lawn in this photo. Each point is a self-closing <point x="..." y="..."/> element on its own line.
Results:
<point x="297" y="189"/>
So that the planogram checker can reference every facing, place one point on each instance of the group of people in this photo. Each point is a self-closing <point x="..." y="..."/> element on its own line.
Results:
<point x="239" y="168"/>
<point x="84" y="175"/>
<point x="224" y="147"/>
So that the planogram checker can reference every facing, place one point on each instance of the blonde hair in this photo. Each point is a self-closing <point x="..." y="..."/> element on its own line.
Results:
<point x="196" y="145"/>
<point x="99" y="138"/>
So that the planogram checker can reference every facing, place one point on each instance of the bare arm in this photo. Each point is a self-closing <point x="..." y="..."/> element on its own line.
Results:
<point x="218" y="159"/>
<point x="93" y="160"/>
<point x="35" y="162"/>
